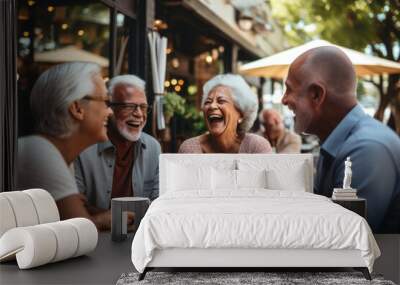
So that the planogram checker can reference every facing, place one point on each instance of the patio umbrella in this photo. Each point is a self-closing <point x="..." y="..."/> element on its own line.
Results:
<point x="276" y="66"/>
<point x="70" y="53"/>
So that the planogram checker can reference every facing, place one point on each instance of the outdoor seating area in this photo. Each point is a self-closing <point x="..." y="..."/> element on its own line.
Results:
<point x="195" y="141"/>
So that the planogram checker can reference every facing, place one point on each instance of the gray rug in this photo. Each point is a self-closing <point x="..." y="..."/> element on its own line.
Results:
<point x="229" y="278"/>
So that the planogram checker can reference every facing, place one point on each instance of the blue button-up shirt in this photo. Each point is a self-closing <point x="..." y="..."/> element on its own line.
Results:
<point x="374" y="150"/>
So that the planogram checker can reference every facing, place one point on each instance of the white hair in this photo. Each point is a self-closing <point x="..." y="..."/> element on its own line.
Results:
<point x="54" y="92"/>
<point x="127" y="79"/>
<point x="243" y="97"/>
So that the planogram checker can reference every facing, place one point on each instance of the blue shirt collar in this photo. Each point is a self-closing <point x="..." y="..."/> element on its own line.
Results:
<point x="338" y="136"/>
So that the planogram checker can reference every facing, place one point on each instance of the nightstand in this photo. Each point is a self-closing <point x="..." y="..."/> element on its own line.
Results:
<point x="358" y="206"/>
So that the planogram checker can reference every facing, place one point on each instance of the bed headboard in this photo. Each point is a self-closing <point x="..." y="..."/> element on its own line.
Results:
<point x="296" y="169"/>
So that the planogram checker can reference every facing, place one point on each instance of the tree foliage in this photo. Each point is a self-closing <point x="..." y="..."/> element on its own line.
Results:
<point x="372" y="25"/>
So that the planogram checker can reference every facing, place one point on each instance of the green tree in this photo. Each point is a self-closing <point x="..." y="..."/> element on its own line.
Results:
<point x="357" y="24"/>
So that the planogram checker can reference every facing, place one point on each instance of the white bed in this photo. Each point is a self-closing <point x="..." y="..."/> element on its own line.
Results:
<point x="247" y="211"/>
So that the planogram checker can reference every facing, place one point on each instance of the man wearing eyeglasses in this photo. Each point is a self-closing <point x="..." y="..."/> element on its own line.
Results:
<point x="127" y="164"/>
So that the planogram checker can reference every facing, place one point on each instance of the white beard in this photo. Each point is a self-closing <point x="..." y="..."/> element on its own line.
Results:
<point x="128" y="135"/>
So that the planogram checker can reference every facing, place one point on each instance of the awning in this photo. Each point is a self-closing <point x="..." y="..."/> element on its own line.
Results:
<point x="276" y="66"/>
<point x="231" y="30"/>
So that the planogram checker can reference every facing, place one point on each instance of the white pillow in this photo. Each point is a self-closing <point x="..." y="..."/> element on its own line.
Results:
<point x="235" y="179"/>
<point x="281" y="173"/>
<point x="295" y="180"/>
<point x="251" y="178"/>
<point x="224" y="179"/>
<point x="186" y="177"/>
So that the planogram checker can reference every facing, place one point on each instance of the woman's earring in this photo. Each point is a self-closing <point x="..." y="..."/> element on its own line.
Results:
<point x="240" y="121"/>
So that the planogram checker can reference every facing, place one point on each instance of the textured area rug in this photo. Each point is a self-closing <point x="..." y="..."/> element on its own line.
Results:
<point x="229" y="278"/>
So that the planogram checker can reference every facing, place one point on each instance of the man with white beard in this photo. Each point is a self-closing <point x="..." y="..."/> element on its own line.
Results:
<point x="127" y="164"/>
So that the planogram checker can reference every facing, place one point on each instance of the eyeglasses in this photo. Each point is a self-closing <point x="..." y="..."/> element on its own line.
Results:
<point x="99" y="99"/>
<point x="131" y="107"/>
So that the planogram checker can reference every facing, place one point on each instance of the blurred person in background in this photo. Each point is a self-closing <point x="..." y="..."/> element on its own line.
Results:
<point x="71" y="109"/>
<point x="230" y="109"/>
<point x="281" y="139"/>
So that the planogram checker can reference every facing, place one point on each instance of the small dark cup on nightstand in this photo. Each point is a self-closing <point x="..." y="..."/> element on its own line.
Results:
<point x="119" y="215"/>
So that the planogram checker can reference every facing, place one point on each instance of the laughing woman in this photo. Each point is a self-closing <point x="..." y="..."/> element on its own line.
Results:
<point x="229" y="108"/>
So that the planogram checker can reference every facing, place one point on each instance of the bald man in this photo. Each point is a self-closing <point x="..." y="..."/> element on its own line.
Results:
<point x="281" y="139"/>
<point x="321" y="91"/>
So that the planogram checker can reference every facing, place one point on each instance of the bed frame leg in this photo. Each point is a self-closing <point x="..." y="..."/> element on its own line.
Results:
<point x="364" y="271"/>
<point x="143" y="274"/>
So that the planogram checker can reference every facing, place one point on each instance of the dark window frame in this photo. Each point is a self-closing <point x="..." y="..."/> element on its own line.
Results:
<point x="115" y="8"/>
<point x="8" y="95"/>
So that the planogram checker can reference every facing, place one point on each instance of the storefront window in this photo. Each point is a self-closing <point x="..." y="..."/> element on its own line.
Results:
<point x="53" y="34"/>
<point x="122" y="44"/>
<point x="50" y="34"/>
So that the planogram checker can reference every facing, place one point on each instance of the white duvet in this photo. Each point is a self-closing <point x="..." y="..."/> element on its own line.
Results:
<point x="252" y="218"/>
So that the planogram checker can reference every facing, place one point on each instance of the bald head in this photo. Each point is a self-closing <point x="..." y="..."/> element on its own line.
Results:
<point x="320" y="89"/>
<point x="270" y="113"/>
<point x="272" y="122"/>
<point x="331" y="67"/>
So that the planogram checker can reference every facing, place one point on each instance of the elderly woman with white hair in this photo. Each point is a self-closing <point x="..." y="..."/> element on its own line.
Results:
<point x="71" y="109"/>
<point x="230" y="109"/>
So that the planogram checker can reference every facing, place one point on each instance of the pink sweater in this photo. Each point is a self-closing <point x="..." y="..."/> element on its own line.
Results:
<point x="251" y="143"/>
